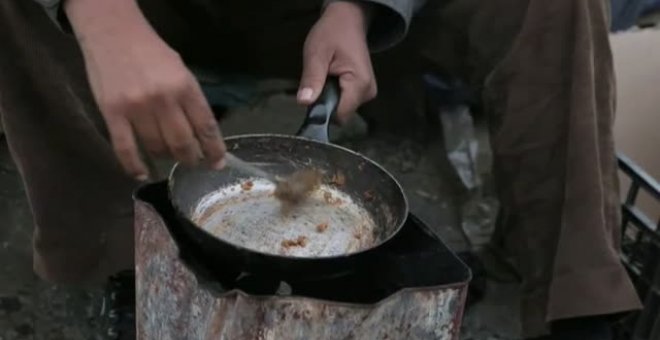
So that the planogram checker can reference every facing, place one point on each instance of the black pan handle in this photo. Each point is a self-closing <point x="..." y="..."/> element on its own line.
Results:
<point x="317" y="122"/>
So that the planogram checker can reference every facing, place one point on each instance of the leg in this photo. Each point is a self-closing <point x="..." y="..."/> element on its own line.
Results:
<point x="545" y="77"/>
<point x="80" y="199"/>
<point x="550" y="102"/>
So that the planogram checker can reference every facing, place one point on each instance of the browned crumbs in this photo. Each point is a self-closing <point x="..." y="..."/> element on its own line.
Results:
<point x="298" y="186"/>
<point x="368" y="195"/>
<point x="327" y="197"/>
<point x="338" y="179"/>
<point x="247" y="186"/>
<point x="322" y="227"/>
<point x="301" y="241"/>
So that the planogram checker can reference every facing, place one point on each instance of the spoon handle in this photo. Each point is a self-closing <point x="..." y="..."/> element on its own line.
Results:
<point x="244" y="166"/>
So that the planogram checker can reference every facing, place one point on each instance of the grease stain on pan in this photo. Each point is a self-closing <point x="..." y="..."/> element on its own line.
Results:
<point x="254" y="219"/>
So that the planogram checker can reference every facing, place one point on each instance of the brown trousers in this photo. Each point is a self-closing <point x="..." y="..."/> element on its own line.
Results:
<point x="543" y="70"/>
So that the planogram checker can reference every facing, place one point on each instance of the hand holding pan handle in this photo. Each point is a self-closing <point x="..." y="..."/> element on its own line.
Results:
<point x="317" y="122"/>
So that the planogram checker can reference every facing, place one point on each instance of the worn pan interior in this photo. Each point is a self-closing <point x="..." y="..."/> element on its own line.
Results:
<point x="359" y="205"/>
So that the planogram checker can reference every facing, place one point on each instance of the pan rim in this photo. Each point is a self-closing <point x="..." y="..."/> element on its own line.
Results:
<point x="241" y="248"/>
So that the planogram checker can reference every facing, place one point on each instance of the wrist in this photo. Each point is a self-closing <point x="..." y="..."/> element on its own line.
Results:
<point x="351" y="11"/>
<point x="92" y="19"/>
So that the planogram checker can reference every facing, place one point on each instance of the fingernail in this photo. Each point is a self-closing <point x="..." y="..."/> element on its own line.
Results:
<point x="219" y="165"/>
<point x="142" y="178"/>
<point x="305" y="94"/>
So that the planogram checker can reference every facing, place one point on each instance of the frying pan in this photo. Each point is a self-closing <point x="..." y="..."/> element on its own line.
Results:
<point x="236" y="224"/>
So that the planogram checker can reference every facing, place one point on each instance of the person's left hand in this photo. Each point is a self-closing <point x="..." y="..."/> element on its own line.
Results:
<point x="337" y="45"/>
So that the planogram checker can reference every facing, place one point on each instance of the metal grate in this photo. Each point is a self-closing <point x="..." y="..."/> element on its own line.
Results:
<point x="641" y="255"/>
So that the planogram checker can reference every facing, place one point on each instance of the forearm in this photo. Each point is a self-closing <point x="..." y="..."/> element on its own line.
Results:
<point x="356" y="12"/>
<point x="104" y="17"/>
<point x="82" y="16"/>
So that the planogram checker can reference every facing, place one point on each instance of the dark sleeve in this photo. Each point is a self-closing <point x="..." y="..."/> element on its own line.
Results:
<point x="390" y="20"/>
<point x="55" y="11"/>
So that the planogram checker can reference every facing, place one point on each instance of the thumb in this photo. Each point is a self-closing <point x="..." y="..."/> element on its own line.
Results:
<point x="315" y="71"/>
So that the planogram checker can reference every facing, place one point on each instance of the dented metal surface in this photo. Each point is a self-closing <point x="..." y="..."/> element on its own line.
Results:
<point x="171" y="305"/>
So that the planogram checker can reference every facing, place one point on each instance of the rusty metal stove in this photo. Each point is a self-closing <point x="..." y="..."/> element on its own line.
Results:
<point x="420" y="295"/>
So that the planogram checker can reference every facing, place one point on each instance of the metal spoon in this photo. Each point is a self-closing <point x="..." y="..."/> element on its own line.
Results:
<point x="249" y="168"/>
<point x="290" y="189"/>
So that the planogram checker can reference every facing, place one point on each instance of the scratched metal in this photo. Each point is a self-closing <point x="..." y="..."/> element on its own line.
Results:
<point x="170" y="304"/>
<point x="369" y="186"/>
<point x="247" y="214"/>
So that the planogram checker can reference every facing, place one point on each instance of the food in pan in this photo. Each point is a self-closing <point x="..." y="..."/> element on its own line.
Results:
<point x="338" y="179"/>
<point x="247" y="186"/>
<point x="301" y="241"/>
<point x="298" y="186"/>
<point x="321" y="227"/>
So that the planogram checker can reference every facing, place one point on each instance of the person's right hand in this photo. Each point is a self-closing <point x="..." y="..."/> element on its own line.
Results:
<point x="144" y="90"/>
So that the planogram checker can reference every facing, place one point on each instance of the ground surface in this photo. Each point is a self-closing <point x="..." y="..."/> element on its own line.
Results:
<point x="32" y="309"/>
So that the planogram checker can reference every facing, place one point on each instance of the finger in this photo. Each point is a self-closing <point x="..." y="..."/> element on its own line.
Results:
<point x="146" y="127"/>
<point x="315" y="70"/>
<point x="353" y="93"/>
<point x="178" y="134"/>
<point x="204" y="126"/>
<point x="123" y="142"/>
